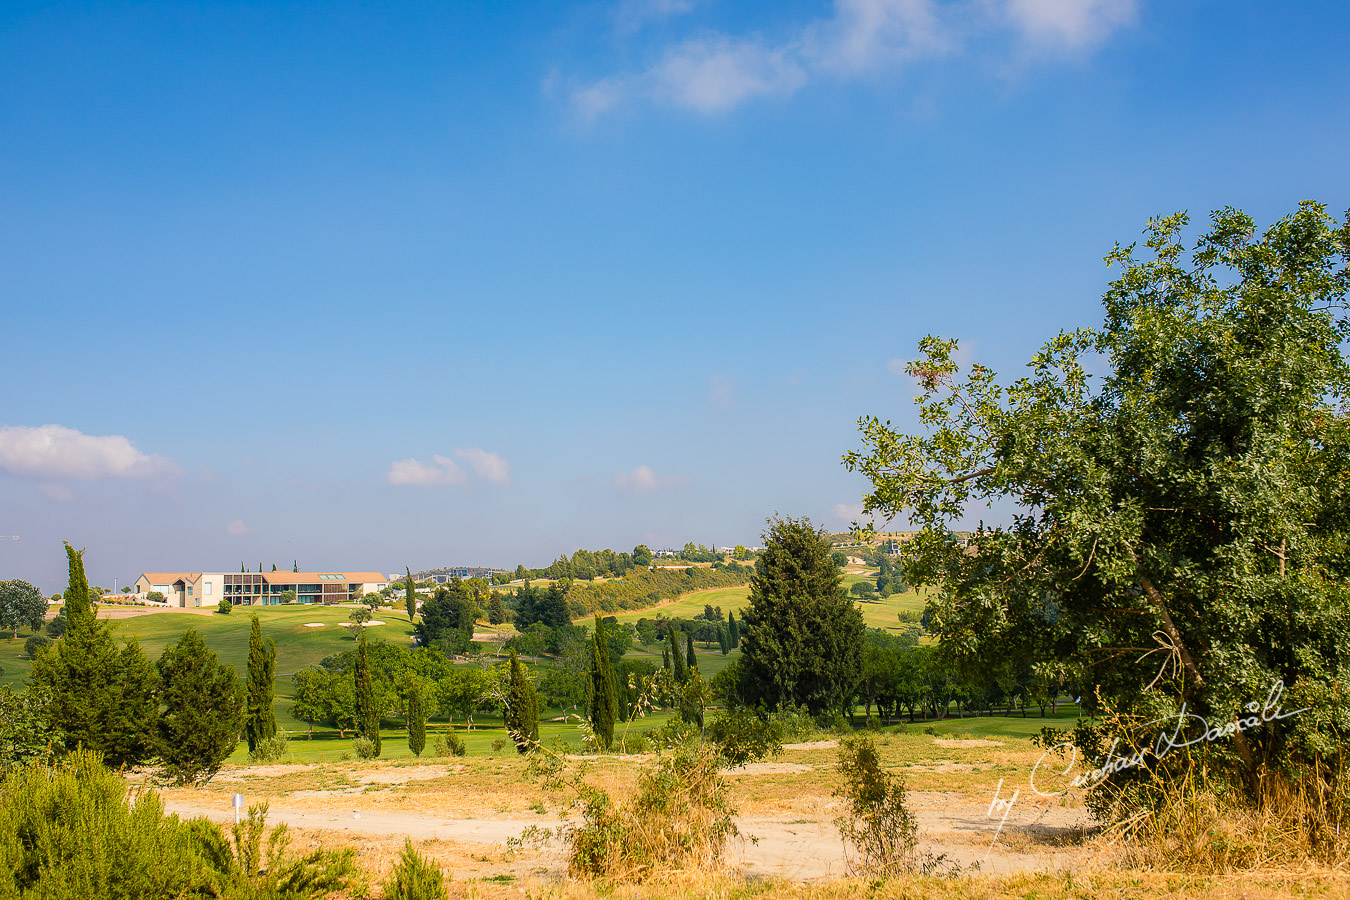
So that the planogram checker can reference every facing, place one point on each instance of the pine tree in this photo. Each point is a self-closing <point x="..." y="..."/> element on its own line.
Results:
<point x="410" y="601"/>
<point x="260" y="723"/>
<point x="496" y="610"/>
<point x="733" y="631"/>
<point x="78" y="610"/>
<point x="522" y="708"/>
<point x="101" y="698"/>
<point x="203" y="705"/>
<point x="803" y="633"/>
<point x="417" y="720"/>
<point x="367" y="713"/>
<point x="604" y="701"/>
<point x="677" y="656"/>
<point x="693" y="660"/>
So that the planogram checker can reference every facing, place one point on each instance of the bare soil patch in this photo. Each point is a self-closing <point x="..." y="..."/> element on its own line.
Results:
<point x="966" y="742"/>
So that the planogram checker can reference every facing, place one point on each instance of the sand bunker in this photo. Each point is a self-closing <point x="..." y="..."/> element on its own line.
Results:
<point x="315" y="624"/>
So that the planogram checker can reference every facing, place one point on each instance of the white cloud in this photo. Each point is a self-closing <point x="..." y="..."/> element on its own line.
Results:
<point x="1070" y="23"/>
<point x="634" y="14"/>
<point x="896" y="366"/>
<point x="642" y="480"/>
<point x="237" y="528"/>
<point x="715" y="72"/>
<point x="486" y="465"/>
<point x="57" y="492"/>
<point x="441" y="471"/>
<point x="54" y="451"/>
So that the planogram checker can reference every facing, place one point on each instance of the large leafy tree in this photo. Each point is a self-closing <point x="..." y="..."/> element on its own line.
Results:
<point x="101" y="698"/>
<point x="21" y="604"/>
<point x="1181" y="522"/>
<point x="260" y="722"/>
<point x="203" y="707"/>
<point x="801" y="636"/>
<point x="448" y="617"/>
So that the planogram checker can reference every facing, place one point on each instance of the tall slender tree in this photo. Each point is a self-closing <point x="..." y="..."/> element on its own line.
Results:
<point x="367" y="711"/>
<point x="78" y="610"/>
<point x="260" y="723"/>
<point x="681" y="669"/>
<point x="689" y="645"/>
<point x="603" y="696"/>
<point x="417" y="720"/>
<point x="733" y="630"/>
<point x="522" y="707"/>
<point x="410" y="598"/>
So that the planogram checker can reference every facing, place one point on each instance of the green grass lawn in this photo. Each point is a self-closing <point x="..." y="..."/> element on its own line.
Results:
<point x="996" y="727"/>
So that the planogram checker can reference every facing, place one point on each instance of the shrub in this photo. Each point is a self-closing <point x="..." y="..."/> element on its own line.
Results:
<point x="270" y="750"/>
<point x="743" y="735"/>
<point x="879" y="831"/>
<point x="449" y="744"/>
<point x="415" y="877"/>
<point x="499" y="745"/>
<point x="224" y="607"/>
<point x="364" y="747"/>
<point x="35" y="644"/>
<point x="796" y="723"/>
<point x="57" y="627"/>
<point x="634" y="743"/>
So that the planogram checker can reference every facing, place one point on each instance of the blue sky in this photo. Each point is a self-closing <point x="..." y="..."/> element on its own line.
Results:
<point x="367" y="285"/>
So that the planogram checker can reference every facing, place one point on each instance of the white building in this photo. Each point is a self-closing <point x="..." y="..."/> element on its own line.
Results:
<point x="258" y="588"/>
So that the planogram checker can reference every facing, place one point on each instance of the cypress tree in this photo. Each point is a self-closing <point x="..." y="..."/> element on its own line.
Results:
<point x="665" y="659"/>
<point x="681" y="667"/>
<point x="274" y="567"/>
<point x="203" y="705"/>
<point x="689" y="640"/>
<point x="417" y="721"/>
<point x="78" y="610"/>
<point x="723" y="641"/>
<point x="367" y="714"/>
<point x="604" y="699"/>
<point x="102" y="699"/>
<point x="733" y="631"/>
<point x="410" y="601"/>
<point x="295" y="566"/>
<point x="260" y="723"/>
<point x="522" y="708"/>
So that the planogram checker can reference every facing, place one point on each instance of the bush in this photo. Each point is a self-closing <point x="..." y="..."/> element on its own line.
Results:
<point x="634" y="743"/>
<point x="270" y="750"/>
<point x="796" y="723"/>
<point x="415" y="877"/>
<point x="56" y="628"/>
<point x="364" y="747"/>
<point x="878" y="829"/>
<point x="449" y="744"/>
<point x="743" y="735"/>
<point x="35" y="644"/>
<point x="96" y="842"/>
<point x="224" y="607"/>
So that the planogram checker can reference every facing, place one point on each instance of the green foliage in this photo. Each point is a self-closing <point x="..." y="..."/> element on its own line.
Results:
<point x="101" y="698"/>
<point x="21" y="604"/>
<point x="878" y="829"/>
<point x="522" y="708"/>
<point x="415" y="877"/>
<point x="56" y="628"/>
<point x="449" y="744"/>
<point x="77" y="609"/>
<point x="365" y="748"/>
<point x="1182" y="524"/>
<point x="259" y="722"/>
<point x="35" y="644"/>
<point x="224" y="607"/>
<point x="416" y="715"/>
<point x="203" y="708"/>
<point x="70" y="830"/>
<point x="496" y="610"/>
<point x="733" y="631"/>
<point x="689" y="655"/>
<point x="801" y="636"/>
<point x="26" y="730"/>
<point x="745" y="735"/>
<point x="367" y="708"/>
<point x="604" y="699"/>
<point x="681" y="666"/>
<point x="270" y="750"/>
<point x="448" y="618"/>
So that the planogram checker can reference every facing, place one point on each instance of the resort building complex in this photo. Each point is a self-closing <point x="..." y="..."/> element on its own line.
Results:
<point x="259" y="588"/>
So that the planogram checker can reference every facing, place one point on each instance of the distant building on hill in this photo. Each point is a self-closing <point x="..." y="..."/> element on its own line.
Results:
<point x="258" y="588"/>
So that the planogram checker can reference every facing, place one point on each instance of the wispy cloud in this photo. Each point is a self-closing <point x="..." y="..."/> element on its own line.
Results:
<point x="237" y="528"/>
<point x="441" y="471"/>
<point x="642" y="480"/>
<point x="713" y="72"/>
<point x="54" y="451"/>
<point x="486" y="465"/>
<point x="635" y="14"/>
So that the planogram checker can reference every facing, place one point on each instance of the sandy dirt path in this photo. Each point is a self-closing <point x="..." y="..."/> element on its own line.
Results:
<point x="1032" y="839"/>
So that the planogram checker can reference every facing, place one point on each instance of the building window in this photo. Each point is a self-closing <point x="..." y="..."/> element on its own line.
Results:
<point x="207" y="590"/>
